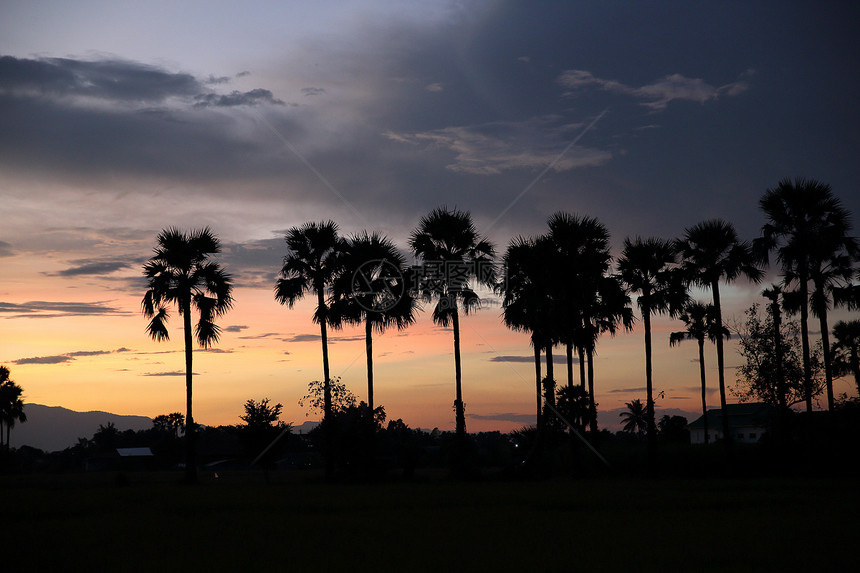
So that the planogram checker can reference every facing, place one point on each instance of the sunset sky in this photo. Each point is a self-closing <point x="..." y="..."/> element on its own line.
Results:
<point x="118" y="119"/>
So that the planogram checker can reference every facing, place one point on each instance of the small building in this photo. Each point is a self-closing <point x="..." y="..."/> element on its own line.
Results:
<point x="748" y="422"/>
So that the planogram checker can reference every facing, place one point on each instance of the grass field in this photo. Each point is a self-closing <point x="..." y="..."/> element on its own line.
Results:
<point x="240" y="523"/>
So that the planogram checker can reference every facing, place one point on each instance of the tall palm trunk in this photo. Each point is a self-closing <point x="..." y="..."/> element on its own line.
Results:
<point x="550" y="378"/>
<point x="715" y="289"/>
<point x="368" y="340"/>
<point x="537" y="383"/>
<point x="328" y="419"/>
<point x="569" y="365"/>
<point x="804" y="338"/>
<point x="460" y="420"/>
<point x="825" y="344"/>
<point x="581" y="353"/>
<point x="701" y="342"/>
<point x="592" y="409"/>
<point x="651" y="428"/>
<point x="190" y="429"/>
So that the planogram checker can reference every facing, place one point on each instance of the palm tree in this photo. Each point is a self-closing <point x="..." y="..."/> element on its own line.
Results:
<point x="847" y="335"/>
<point x="581" y="246"/>
<point x="11" y="405"/>
<point x="808" y="228"/>
<point x="181" y="272"/>
<point x="700" y="320"/>
<point x="525" y="299"/>
<point x="372" y="290"/>
<point x="635" y="419"/>
<point x="453" y="254"/>
<point x="313" y="262"/>
<point x="648" y="266"/>
<point x="711" y="252"/>
<point x="607" y="308"/>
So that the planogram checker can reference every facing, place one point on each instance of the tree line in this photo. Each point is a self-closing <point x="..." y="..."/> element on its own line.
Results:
<point x="563" y="288"/>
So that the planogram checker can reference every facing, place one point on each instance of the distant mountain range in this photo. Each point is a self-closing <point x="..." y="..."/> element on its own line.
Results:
<point x="54" y="428"/>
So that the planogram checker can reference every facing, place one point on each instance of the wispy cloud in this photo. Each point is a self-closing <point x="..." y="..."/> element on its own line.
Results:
<point x="635" y="390"/>
<point x="87" y="267"/>
<point x="556" y="359"/>
<point x="658" y="93"/>
<point x="67" y="357"/>
<point x="506" y="417"/>
<point x="492" y="148"/>
<point x="54" y="309"/>
<point x="6" y="249"/>
<point x="169" y="373"/>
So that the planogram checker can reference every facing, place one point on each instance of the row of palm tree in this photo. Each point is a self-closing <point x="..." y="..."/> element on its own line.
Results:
<point x="559" y="287"/>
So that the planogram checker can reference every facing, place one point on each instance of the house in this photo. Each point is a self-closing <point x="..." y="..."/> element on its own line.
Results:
<point x="747" y="423"/>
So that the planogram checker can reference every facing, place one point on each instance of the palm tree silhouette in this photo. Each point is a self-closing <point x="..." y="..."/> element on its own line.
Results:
<point x="635" y="419"/>
<point x="701" y="323"/>
<point x="526" y="306"/>
<point x="180" y="272"/>
<point x="648" y="266"/>
<point x="314" y="261"/>
<point x="11" y="405"/>
<point x="711" y="252"/>
<point x="847" y="335"/>
<point x="808" y="228"/>
<point x="373" y="290"/>
<point x="453" y="254"/>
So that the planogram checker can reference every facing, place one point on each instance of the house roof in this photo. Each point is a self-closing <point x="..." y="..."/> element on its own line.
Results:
<point x="756" y="414"/>
<point x="133" y="452"/>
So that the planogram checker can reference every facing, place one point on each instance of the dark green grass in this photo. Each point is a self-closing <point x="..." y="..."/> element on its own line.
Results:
<point x="238" y="522"/>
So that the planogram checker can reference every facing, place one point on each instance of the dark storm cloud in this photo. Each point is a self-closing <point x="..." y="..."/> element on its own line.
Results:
<point x="54" y="309"/>
<point x="67" y="116"/>
<point x="110" y="79"/>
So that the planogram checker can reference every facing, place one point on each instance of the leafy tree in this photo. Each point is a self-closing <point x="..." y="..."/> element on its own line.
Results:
<point x="648" y="266"/>
<point x="340" y="397"/>
<point x="808" y="228"/>
<point x="635" y="419"/>
<point x="761" y="372"/>
<point x="261" y="414"/>
<point x="674" y="429"/>
<point x="701" y="323"/>
<point x="712" y="252"/>
<point x="847" y="349"/>
<point x="182" y="273"/>
<point x="453" y="255"/>
<point x="11" y="404"/>
<point x="574" y="404"/>
<point x="313" y="262"/>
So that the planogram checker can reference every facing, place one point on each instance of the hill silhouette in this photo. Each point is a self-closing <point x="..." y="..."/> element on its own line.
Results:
<point x="54" y="428"/>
